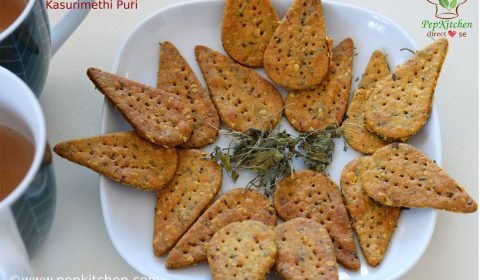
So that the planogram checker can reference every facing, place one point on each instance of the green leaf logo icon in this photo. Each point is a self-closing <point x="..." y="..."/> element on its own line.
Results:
<point x="453" y="4"/>
<point x="445" y="4"/>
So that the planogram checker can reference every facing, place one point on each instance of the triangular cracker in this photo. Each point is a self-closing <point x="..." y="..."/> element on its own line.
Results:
<point x="247" y="28"/>
<point x="400" y="104"/>
<point x="124" y="157"/>
<point x="399" y="175"/>
<point x="305" y="251"/>
<point x="377" y="69"/>
<point x="309" y="194"/>
<point x="325" y="104"/>
<point x="233" y="206"/>
<point x="298" y="56"/>
<point x="158" y="116"/>
<point x="355" y="131"/>
<point x="242" y="250"/>
<point x="196" y="182"/>
<point x="374" y="223"/>
<point x="244" y="99"/>
<point x="176" y="76"/>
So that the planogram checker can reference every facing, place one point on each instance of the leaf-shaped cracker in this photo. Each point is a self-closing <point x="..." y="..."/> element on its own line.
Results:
<point x="298" y="56"/>
<point x="233" y="206"/>
<point x="313" y="195"/>
<point x="242" y="250"/>
<point x="176" y="76"/>
<point x="354" y="129"/>
<point x="124" y="157"/>
<point x="373" y="222"/>
<point x="400" y="104"/>
<point x="377" y="69"/>
<point x="325" y="104"/>
<point x="243" y="98"/>
<point x="399" y="175"/>
<point x="305" y="251"/>
<point x="160" y="117"/>
<point x="196" y="182"/>
<point x="247" y="28"/>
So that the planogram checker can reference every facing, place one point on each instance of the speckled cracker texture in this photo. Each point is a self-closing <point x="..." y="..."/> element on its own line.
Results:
<point x="324" y="105"/>
<point x="233" y="206"/>
<point x="305" y="251"/>
<point x="400" y="175"/>
<point x="124" y="157"/>
<point x="313" y="195"/>
<point x="196" y="182"/>
<point x="400" y="104"/>
<point x="176" y="76"/>
<point x="158" y="116"/>
<point x="247" y="28"/>
<point x="355" y="131"/>
<point x="374" y="223"/>
<point x="242" y="250"/>
<point x="244" y="99"/>
<point x="298" y="56"/>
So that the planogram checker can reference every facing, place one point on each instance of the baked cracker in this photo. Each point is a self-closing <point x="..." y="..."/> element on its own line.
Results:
<point x="377" y="69"/>
<point x="160" y="117"/>
<point x="298" y="55"/>
<point x="233" y="206"/>
<point x="313" y="195"/>
<point x="176" y="76"/>
<point x="400" y="104"/>
<point x="124" y="157"/>
<point x="242" y="250"/>
<point x="400" y="175"/>
<point x="244" y="99"/>
<point x="374" y="223"/>
<point x="196" y="182"/>
<point x="247" y="28"/>
<point x="325" y="104"/>
<point x="354" y="129"/>
<point x="305" y="251"/>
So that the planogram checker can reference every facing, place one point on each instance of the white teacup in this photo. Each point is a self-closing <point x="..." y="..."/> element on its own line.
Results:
<point x="26" y="214"/>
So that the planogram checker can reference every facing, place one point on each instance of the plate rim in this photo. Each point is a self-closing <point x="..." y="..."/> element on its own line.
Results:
<point x="106" y="107"/>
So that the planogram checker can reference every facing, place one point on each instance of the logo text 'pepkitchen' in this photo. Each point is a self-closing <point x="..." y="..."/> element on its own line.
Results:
<point x="446" y="24"/>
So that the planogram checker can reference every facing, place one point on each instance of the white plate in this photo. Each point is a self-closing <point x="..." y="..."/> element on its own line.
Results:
<point x="128" y="213"/>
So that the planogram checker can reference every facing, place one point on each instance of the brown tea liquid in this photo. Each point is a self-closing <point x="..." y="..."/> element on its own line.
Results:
<point x="16" y="156"/>
<point x="9" y="11"/>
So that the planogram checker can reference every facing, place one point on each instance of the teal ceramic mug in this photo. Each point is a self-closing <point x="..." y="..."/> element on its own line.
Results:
<point x="26" y="213"/>
<point x="28" y="43"/>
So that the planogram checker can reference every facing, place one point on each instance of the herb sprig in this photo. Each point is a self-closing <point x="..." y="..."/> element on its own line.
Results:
<point x="270" y="154"/>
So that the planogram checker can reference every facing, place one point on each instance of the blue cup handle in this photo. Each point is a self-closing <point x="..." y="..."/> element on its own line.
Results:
<point x="66" y="26"/>
<point x="14" y="258"/>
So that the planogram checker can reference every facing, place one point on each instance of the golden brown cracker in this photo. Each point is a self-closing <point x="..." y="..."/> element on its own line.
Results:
<point x="305" y="251"/>
<point x="313" y="195"/>
<point x="196" y="182"/>
<point x="160" y="117"/>
<point x="247" y="28"/>
<point x="243" y="98"/>
<point x="374" y="223"/>
<point x="399" y="175"/>
<point x="298" y="55"/>
<point x="354" y="129"/>
<point x="176" y="76"/>
<point x="233" y="206"/>
<point x="377" y="69"/>
<point x="242" y="250"/>
<point x="325" y="104"/>
<point x="124" y="157"/>
<point x="400" y="104"/>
